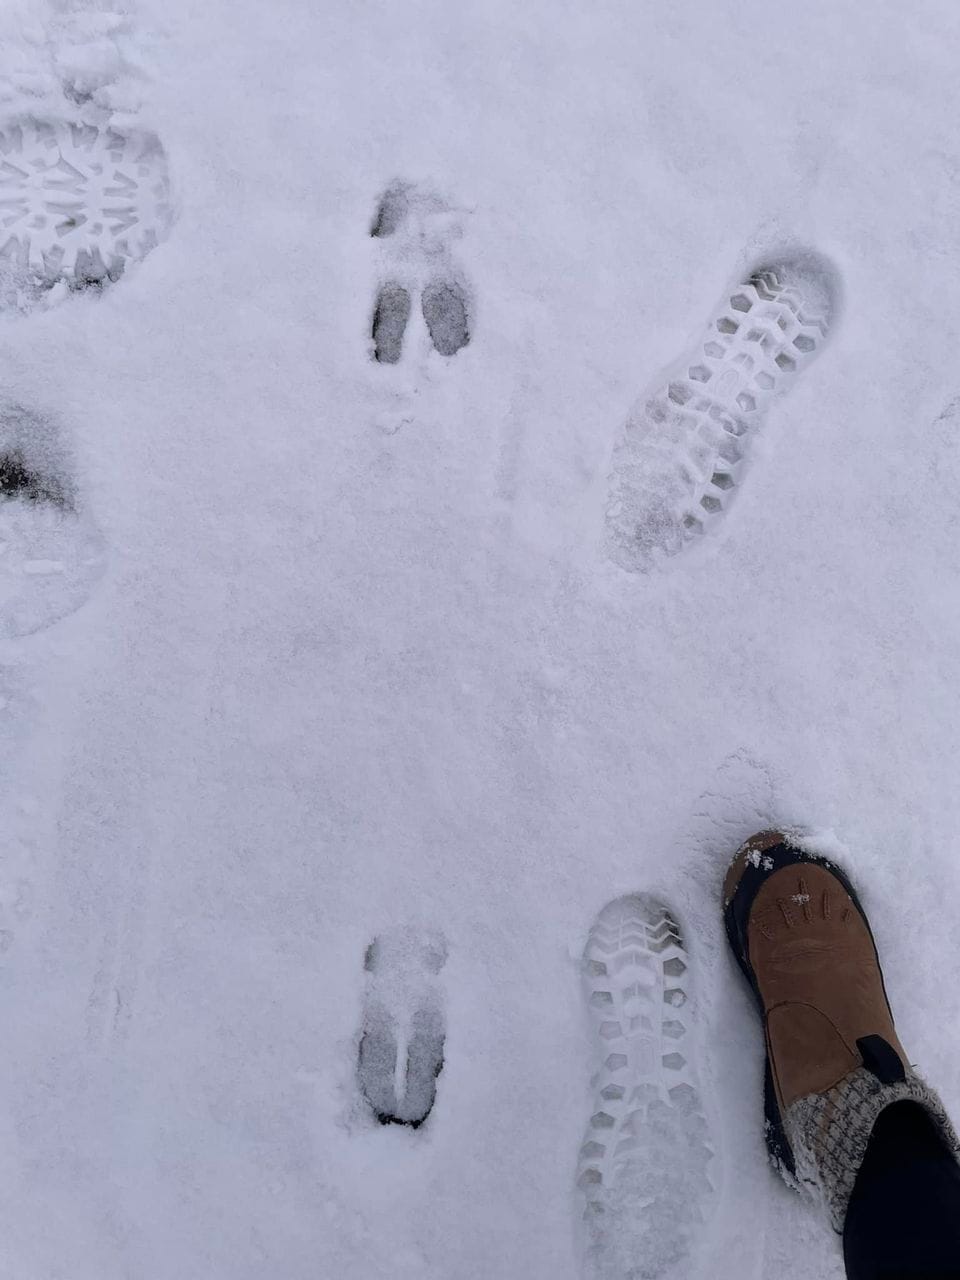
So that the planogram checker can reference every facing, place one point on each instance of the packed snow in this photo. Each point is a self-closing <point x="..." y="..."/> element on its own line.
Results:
<point x="320" y="622"/>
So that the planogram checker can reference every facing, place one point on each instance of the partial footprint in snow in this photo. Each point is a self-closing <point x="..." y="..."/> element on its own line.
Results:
<point x="390" y="316"/>
<point x="401" y="1042"/>
<point x="51" y="553"/>
<point x="416" y="230"/>
<point x="445" y="312"/>
<point x="643" y="1167"/>
<point x="683" y="456"/>
<point x="77" y="204"/>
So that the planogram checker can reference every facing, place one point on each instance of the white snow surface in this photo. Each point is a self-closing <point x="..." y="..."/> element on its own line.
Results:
<point x="357" y="659"/>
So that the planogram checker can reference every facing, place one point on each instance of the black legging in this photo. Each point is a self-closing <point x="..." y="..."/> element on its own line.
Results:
<point x="903" y="1222"/>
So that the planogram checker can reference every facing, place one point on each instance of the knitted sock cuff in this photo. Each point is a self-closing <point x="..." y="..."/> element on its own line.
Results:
<point x="829" y="1132"/>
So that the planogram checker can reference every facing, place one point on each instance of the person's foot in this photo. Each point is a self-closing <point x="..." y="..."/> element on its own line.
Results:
<point x="834" y="1061"/>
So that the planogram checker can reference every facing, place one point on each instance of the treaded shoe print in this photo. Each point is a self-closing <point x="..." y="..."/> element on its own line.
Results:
<point x="682" y="457"/>
<point x="642" y="1170"/>
<point x="400" y="1054"/>
<point x="77" y="203"/>
<point x="416" y="230"/>
<point x="51" y="553"/>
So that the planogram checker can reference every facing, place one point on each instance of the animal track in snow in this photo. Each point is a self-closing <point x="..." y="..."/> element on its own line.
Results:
<point x="390" y="318"/>
<point x="77" y="203"/>
<point x="416" y="229"/>
<point x="401" y="1042"/>
<point x="642" y="1170"/>
<point x="51" y="554"/>
<point x="683" y="455"/>
<point x="445" y="311"/>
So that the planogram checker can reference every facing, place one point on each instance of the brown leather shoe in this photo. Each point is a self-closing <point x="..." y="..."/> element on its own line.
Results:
<point x="802" y="939"/>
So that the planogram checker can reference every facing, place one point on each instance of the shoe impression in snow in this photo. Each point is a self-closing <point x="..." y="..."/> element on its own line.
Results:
<point x="834" y="1061"/>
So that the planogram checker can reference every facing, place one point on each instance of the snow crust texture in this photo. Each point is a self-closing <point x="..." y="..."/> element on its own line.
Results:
<point x="644" y="1165"/>
<point x="682" y="459"/>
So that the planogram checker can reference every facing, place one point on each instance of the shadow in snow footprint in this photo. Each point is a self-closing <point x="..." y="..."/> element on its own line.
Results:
<point x="51" y="553"/>
<point x="401" y="1043"/>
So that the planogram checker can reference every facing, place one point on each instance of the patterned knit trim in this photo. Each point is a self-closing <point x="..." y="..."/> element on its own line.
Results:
<point x="829" y="1132"/>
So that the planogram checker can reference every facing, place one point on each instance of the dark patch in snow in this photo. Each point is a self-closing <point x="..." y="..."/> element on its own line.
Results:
<point x="445" y="311"/>
<point x="18" y="480"/>
<point x="390" y="316"/>
<point x="392" y="210"/>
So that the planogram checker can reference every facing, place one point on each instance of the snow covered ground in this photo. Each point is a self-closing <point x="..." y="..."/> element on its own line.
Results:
<point x="300" y="649"/>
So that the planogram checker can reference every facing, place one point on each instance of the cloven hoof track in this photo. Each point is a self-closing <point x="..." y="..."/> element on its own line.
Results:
<point x="390" y="316"/>
<point x="642" y="1171"/>
<point x="402" y="1038"/>
<point x="683" y="456"/>
<point x="77" y="202"/>
<point x="418" y="259"/>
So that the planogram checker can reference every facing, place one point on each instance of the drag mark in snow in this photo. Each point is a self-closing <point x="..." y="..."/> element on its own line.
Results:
<point x="642" y="1171"/>
<point x="77" y="203"/>
<point x="400" y="1054"/>
<point x="111" y="995"/>
<point x="417" y="229"/>
<point x="950" y="411"/>
<point x="683" y="455"/>
<point x="113" y="991"/>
